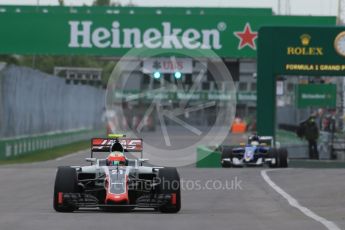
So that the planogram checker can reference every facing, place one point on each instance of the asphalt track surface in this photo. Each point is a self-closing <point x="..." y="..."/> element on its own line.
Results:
<point x="236" y="198"/>
<point x="26" y="200"/>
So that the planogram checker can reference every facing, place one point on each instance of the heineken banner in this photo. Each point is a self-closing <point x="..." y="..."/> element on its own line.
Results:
<point x="116" y="34"/>
<point x="320" y="95"/>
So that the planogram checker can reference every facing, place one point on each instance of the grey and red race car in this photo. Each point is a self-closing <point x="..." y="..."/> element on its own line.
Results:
<point x="117" y="183"/>
<point x="258" y="151"/>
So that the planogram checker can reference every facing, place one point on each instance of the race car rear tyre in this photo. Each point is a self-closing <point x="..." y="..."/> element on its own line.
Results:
<point x="170" y="185"/>
<point x="66" y="181"/>
<point x="283" y="157"/>
<point x="226" y="153"/>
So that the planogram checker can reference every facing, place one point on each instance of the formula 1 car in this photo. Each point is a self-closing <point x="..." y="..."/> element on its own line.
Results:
<point x="258" y="151"/>
<point x="117" y="183"/>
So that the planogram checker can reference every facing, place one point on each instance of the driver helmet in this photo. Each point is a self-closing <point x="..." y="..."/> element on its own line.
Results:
<point x="253" y="139"/>
<point x="116" y="159"/>
<point x="117" y="147"/>
<point x="254" y="143"/>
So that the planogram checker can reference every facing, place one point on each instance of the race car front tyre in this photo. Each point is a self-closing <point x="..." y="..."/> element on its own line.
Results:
<point x="226" y="154"/>
<point x="169" y="184"/>
<point x="66" y="181"/>
<point x="273" y="153"/>
<point x="280" y="156"/>
<point x="283" y="157"/>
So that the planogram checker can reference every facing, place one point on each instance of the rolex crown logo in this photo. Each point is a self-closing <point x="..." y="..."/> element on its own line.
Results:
<point x="305" y="39"/>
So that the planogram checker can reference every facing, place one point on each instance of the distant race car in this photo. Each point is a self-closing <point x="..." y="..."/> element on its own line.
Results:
<point x="258" y="151"/>
<point x="117" y="183"/>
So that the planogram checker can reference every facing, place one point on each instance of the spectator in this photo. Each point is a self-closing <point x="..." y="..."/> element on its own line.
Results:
<point x="311" y="134"/>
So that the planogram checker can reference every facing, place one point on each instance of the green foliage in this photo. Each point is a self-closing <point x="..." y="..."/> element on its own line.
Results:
<point x="101" y="3"/>
<point x="10" y="59"/>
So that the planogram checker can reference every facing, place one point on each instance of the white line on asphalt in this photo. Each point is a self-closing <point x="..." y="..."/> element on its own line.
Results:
<point x="294" y="203"/>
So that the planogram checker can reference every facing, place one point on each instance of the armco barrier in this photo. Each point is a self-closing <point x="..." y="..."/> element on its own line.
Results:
<point x="305" y="163"/>
<point x="13" y="147"/>
<point x="207" y="158"/>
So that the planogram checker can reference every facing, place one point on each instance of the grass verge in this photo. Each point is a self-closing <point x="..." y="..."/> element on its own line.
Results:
<point x="47" y="154"/>
<point x="288" y="138"/>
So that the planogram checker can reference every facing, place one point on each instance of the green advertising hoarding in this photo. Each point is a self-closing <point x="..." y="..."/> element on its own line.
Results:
<point x="175" y="96"/>
<point x="318" y="95"/>
<point x="172" y="95"/>
<point x="246" y="96"/>
<point x="116" y="34"/>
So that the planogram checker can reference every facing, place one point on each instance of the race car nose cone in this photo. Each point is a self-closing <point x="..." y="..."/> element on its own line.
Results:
<point x="116" y="199"/>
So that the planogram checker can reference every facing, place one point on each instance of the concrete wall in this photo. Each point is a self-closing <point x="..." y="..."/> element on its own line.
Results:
<point x="291" y="115"/>
<point x="32" y="102"/>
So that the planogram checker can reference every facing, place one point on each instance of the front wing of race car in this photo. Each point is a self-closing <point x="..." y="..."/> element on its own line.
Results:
<point x="87" y="201"/>
<point x="257" y="161"/>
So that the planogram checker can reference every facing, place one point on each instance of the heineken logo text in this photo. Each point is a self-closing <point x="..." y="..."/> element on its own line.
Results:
<point x="84" y="35"/>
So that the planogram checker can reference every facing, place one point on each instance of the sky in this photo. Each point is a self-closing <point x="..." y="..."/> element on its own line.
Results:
<point x="296" y="7"/>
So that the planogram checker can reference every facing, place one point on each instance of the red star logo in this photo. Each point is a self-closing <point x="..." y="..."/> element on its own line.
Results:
<point x="247" y="37"/>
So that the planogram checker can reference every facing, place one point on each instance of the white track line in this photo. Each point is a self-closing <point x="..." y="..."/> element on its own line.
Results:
<point x="294" y="203"/>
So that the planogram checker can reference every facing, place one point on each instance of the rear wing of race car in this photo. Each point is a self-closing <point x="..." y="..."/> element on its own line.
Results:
<point x="128" y="144"/>
<point x="264" y="140"/>
<point x="267" y="140"/>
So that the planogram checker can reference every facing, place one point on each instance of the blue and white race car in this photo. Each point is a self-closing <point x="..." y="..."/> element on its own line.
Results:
<point x="259" y="151"/>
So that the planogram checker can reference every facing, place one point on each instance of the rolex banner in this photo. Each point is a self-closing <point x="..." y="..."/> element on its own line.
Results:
<point x="116" y="34"/>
